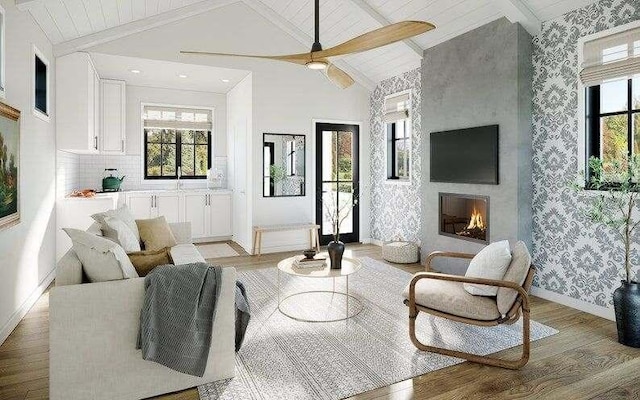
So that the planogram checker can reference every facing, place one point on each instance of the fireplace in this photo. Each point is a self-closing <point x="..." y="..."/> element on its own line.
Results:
<point x="464" y="216"/>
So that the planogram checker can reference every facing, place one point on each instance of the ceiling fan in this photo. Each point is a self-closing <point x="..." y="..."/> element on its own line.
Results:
<point x="318" y="59"/>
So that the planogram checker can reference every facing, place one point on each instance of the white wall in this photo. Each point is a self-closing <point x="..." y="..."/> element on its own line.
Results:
<point x="240" y="122"/>
<point x="27" y="251"/>
<point x="286" y="98"/>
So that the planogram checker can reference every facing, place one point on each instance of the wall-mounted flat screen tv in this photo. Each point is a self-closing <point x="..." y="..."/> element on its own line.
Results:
<point x="465" y="155"/>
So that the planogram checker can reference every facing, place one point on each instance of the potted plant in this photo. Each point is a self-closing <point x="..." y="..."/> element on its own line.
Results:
<point x="337" y="212"/>
<point x="615" y="206"/>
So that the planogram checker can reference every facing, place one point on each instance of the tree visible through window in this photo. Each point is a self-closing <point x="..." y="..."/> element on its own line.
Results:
<point x="177" y="139"/>
<point x="613" y="122"/>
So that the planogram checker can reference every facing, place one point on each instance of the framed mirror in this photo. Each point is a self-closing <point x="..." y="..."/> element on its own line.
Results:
<point x="283" y="165"/>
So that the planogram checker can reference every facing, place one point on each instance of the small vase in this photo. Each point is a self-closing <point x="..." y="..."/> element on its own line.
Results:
<point x="626" y="301"/>
<point x="335" y="250"/>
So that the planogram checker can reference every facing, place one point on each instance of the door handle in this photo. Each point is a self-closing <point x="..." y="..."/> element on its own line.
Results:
<point x="95" y="142"/>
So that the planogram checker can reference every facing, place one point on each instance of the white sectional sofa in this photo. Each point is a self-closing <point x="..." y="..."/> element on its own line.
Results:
<point x="94" y="327"/>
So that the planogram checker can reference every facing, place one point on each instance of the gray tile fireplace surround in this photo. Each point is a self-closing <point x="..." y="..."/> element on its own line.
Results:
<point x="481" y="78"/>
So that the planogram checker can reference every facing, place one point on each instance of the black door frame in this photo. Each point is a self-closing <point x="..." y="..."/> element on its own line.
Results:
<point x="354" y="236"/>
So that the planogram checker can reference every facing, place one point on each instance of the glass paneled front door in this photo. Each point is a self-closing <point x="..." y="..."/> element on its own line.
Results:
<point x="337" y="177"/>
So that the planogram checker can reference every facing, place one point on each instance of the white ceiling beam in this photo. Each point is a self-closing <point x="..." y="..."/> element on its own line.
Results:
<point x="118" y="32"/>
<point x="24" y="5"/>
<point x="384" y="21"/>
<point x="517" y="11"/>
<point x="306" y="40"/>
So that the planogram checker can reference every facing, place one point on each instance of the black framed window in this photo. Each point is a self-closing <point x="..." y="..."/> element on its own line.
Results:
<point x="398" y="148"/>
<point x="613" y="122"/>
<point x="40" y="84"/>
<point x="177" y="141"/>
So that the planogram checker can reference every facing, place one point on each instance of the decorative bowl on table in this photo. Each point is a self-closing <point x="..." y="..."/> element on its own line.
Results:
<point x="309" y="254"/>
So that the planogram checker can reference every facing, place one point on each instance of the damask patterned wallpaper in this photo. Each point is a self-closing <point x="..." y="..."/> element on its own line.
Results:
<point x="573" y="257"/>
<point x="395" y="208"/>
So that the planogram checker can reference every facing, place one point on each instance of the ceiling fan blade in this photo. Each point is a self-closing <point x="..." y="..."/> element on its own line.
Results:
<point x="338" y="76"/>
<point x="377" y="38"/>
<point x="300" y="59"/>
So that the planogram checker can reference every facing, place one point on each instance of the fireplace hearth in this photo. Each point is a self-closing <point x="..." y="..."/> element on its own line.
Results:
<point x="464" y="216"/>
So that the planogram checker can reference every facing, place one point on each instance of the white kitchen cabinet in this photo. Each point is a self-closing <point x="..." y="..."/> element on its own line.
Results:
<point x="141" y="205"/>
<point x="112" y="116"/>
<point x="145" y="205"/>
<point x="77" y="99"/>
<point x="196" y="211"/>
<point x="168" y="205"/>
<point x="209" y="212"/>
<point x="220" y="215"/>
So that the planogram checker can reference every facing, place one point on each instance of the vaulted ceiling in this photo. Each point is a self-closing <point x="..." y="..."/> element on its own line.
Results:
<point x="78" y="24"/>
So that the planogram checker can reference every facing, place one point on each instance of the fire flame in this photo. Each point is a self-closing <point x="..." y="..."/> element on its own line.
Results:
<point x="476" y="220"/>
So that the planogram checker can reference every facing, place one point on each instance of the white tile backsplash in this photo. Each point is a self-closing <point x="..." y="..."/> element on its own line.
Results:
<point x="87" y="170"/>
<point x="67" y="173"/>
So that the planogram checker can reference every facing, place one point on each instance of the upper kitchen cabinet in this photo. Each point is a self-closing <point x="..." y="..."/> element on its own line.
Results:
<point x="112" y="116"/>
<point x="77" y="104"/>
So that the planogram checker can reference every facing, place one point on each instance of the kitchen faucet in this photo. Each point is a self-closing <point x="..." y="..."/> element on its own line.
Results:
<point x="178" y="185"/>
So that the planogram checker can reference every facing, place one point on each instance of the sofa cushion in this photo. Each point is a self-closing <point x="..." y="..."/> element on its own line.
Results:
<point x="147" y="260"/>
<point x="102" y="259"/>
<point x="124" y="236"/>
<point x="185" y="254"/>
<point x="155" y="233"/>
<point x="517" y="272"/>
<point x="123" y="214"/>
<point x="490" y="263"/>
<point x="451" y="298"/>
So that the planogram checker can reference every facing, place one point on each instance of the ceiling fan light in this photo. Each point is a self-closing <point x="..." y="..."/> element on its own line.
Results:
<point x="317" y="65"/>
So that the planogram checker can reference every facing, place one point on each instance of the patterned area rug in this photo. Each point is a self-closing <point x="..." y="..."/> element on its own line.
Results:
<point x="285" y="359"/>
<point x="216" y="250"/>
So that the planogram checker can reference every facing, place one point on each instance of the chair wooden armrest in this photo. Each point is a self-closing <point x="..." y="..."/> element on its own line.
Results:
<point x="445" y="254"/>
<point x="522" y="302"/>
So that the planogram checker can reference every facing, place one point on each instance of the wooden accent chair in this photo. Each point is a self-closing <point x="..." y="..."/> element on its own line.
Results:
<point x="444" y="296"/>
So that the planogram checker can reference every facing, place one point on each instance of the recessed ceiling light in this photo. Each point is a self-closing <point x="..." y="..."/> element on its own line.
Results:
<point x="182" y="75"/>
<point x="225" y="80"/>
<point x="134" y="71"/>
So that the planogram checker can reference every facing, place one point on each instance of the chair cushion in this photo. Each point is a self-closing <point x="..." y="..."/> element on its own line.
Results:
<point x="490" y="263"/>
<point x="517" y="272"/>
<point x="451" y="298"/>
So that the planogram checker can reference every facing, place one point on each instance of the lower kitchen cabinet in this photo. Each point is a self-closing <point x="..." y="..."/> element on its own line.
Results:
<point x="209" y="212"/>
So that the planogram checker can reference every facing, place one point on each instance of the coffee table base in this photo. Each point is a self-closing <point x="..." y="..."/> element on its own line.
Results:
<point x="349" y="298"/>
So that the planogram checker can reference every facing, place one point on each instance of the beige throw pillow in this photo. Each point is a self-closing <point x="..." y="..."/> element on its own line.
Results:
<point x="155" y="233"/>
<point x="490" y="263"/>
<point x="102" y="259"/>
<point x="145" y="261"/>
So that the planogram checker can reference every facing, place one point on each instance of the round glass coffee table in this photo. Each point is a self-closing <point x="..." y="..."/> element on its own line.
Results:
<point x="349" y="267"/>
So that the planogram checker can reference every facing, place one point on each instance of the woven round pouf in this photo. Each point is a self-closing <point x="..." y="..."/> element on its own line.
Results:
<point x="400" y="252"/>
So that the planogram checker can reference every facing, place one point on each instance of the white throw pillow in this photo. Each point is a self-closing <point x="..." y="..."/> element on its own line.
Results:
<point x="490" y="263"/>
<point x="124" y="235"/>
<point x="124" y="215"/>
<point x="102" y="259"/>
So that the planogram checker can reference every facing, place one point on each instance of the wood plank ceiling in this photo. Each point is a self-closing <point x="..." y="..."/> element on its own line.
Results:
<point x="66" y="20"/>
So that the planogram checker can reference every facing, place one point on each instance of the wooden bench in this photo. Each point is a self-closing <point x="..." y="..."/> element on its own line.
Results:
<point x="314" y="237"/>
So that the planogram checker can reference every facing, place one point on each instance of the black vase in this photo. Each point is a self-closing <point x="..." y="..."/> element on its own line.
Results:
<point x="335" y="250"/>
<point x="626" y="301"/>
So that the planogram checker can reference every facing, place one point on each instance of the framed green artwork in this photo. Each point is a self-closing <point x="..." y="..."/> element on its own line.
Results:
<point x="9" y="166"/>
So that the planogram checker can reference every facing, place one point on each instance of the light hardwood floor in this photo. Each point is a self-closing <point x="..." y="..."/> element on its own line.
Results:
<point x="583" y="361"/>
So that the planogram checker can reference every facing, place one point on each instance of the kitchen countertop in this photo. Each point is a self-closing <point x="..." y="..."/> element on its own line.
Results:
<point x="107" y="195"/>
